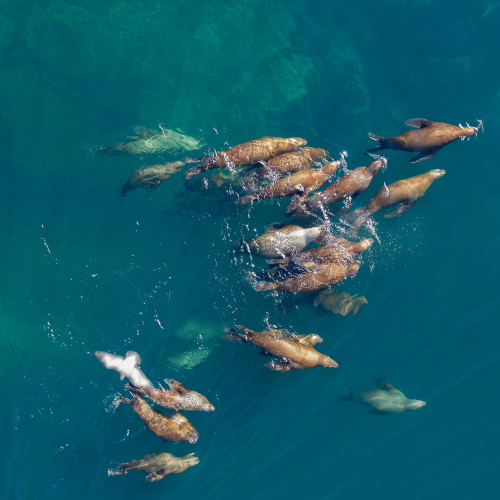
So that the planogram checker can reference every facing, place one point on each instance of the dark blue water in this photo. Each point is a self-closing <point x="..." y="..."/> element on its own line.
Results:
<point x="84" y="270"/>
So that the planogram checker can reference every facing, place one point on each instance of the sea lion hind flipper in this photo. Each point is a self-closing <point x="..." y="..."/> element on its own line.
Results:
<point x="418" y="123"/>
<point x="382" y="384"/>
<point x="377" y="138"/>
<point x="425" y="155"/>
<point x="157" y="476"/>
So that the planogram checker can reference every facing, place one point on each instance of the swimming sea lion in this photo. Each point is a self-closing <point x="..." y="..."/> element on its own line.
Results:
<point x="384" y="400"/>
<point x="352" y="184"/>
<point x="429" y="138"/>
<point x="319" y="276"/>
<point x="173" y="428"/>
<point x="127" y="366"/>
<point x="248" y="153"/>
<point x="406" y="192"/>
<point x="280" y="240"/>
<point x="341" y="303"/>
<point x="294" y="353"/>
<point x="301" y="183"/>
<point x="177" y="397"/>
<point x="154" y="142"/>
<point x="337" y="250"/>
<point x="151" y="177"/>
<point x="289" y="163"/>
<point x="157" y="465"/>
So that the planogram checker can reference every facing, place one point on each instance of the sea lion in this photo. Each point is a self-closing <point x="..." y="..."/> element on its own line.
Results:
<point x="173" y="428"/>
<point x="289" y="163"/>
<point x="294" y="353"/>
<point x="406" y="192"/>
<point x="336" y="250"/>
<point x="428" y="139"/>
<point x="248" y="153"/>
<point x="127" y="366"/>
<point x="352" y="184"/>
<point x="384" y="400"/>
<point x="280" y="240"/>
<point x="157" y="465"/>
<point x="154" y="142"/>
<point x="151" y="177"/>
<point x="177" y="397"/>
<point x="319" y="276"/>
<point x="300" y="183"/>
<point x="341" y="303"/>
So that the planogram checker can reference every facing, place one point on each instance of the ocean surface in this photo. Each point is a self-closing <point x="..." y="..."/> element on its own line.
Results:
<point x="83" y="269"/>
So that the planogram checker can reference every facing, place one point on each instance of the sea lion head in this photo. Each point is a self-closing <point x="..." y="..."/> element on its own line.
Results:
<point x="298" y="141"/>
<point x="437" y="173"/>
<point x="415" y="404"/>
<point x="468" y="131"/>
<point x="204" y="404"/>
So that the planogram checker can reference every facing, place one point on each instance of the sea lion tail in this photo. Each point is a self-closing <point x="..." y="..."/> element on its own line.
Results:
<point x="263" y="286"/>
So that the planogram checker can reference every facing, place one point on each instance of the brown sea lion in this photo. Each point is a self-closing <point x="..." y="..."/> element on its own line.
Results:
<point x="280" y="240"/>
<point x="294" y="353"/>
<point x="319" y="276"/>
<point x="248" y="153"/>
<point x="174" y="428"/>
<point x="289" y="163"/>
<point x="157" y="465"/>
<point x="406" y="192"/>
<point x="176" y="398"/>
<point x="151" y="177"/>
<point x="336" y="250"/>
<point x="428" y="139"/>
<point x="352" y="184"/>
<point x="300" y="183"/>
<point x="385" y="400"/>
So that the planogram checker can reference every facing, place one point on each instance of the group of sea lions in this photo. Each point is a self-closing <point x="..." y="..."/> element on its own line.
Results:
<point x="175" y="427"/>
<point x="289" y="169"/>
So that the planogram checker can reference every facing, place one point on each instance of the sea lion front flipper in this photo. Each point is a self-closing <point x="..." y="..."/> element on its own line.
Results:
<point x="297" y="200"/>
<point x="385" y="386"/>
<point x="176" y="386"/>
<point x="281" y="367"/>
<point x="418" y="123"/>
<point x="400" y="209"/>
<point x="425" y="155"/>
<point x="157" y="476"/>
<point x="273" y="226"/>
<point x="311" y="340"/>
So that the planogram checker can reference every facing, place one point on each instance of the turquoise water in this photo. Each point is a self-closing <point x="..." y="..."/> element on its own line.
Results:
<point x="84" y="270"/>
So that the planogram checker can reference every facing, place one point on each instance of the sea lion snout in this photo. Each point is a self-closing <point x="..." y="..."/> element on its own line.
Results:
<point x="437" y="173"/>
<point x="416" y="404"/>
<point x="298" y="141"/>
<point x="332" y="364"/>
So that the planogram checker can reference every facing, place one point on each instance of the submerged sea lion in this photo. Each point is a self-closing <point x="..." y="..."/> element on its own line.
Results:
<point x="151" y="177"/>
<point x="352" y="184"/>
<point x="318" y="277"/>
<point x="289" y="163"/>
<point x="248" y="153"/>
<point x="341" y="303"/>
<point x="173" y="428"/>
<point x="177" y="397"/>
<point x="154" y="142"/>
<point x="157" y="465"/>
<point x="280" y="240"/>
<point x="337" y="250"/>
<point x="296" y="352"/>
<point x="384" y="400"/>
<point x="301" y="183"/>
<point x="406" y="192"/>
<point x="127" y="366"/>
<point x="429" y="138"/>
